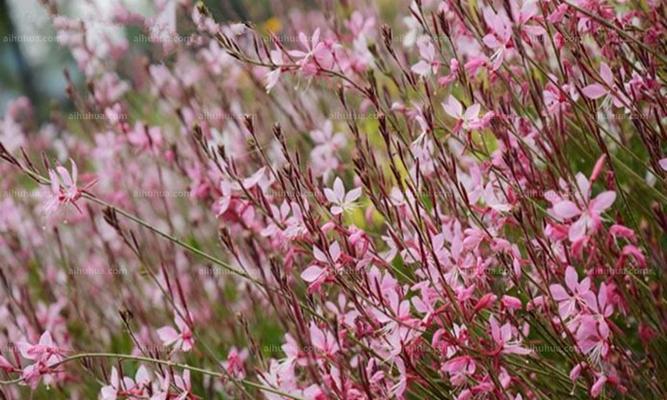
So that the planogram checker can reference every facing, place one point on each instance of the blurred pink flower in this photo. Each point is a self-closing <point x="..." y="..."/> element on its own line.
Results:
<point x="181" y="339"/>
<point x="429" y="63"/>
<point x="318" y="55"/>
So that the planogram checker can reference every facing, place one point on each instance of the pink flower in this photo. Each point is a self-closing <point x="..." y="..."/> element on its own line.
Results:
<point x="452" y="75"/>
<point x="45" y="354"/>
<point x="324" y="154"/>
<point x="429" y="62"/>
<point x="579" y="293"/>
<point x="64" y="188"/>
<point x="181" y="339"/>
<point x="500" y="36"/>
<point x="341" y="201"/>
<point x="319" y="273"/>
<point x="399" y="322"/>
<point x="503" y="336"/>
<point x="44" y="351"/>
<point x="360" y="25"/>
<point x="609" y="89"/>
<point x="273" y="76"/>
<point x="522" y="12"/>
<point x="127" y="387"/>
<point x="234" y="364"/>
<point x="557" y="99"/>
<point x="280" y="376"/>
<point x="576" y="371"/>
<point x="397" y="390"/>
<point x="12" y="134"/>
<point x="593" y="331"/>
<point x="459" y="368"/>
<point x="588" y="211"/>
<point x="183" y="384"/>
<point x="145" y="137"/>
<point x="511" y="302"/>
<point x="597" y="386"/>
<point x="468" y="120"/>
<point x="318" y="55"/>
<point x="33" y="373"/>
<point x="459" y="364"/>
<point x="324" y="342"/>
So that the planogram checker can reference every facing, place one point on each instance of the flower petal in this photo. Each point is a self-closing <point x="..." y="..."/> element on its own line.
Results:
<point x="312" y="273"/>
<point x="594" y="91"/>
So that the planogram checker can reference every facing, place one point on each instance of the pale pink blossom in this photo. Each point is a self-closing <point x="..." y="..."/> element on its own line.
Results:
<point x="587" y="211"/>
<point x="64" y="189"/>
<point x="235" y="363"/>
<point x="467" y="120"/>
<point x="341" y="201"/>
<point x="577" y="294"/>
<point x="318" y="54"/>
<point x="610" y="90"/>
<point x="323" y="342"/>
<point x="429" y="63"/>
<point x="500" y="37"/>
<point x="181" y="339"/>
<point x="505" y="338"/>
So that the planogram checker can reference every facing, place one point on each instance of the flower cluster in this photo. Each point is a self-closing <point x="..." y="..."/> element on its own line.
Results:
<point x="514" y="163"/>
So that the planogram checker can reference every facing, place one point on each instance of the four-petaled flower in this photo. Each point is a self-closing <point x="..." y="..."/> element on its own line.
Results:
<point x="500" y="37"/>
<point x="324" y="342"/>
<point x="341" y="201"/>
<point x="579" y="293"/>
<point x="609" y="89"/>
<point x="320" y="272"/>
<point x="64" y="189"/>
<point x="46" y="355"/>
<point x="318" y="54"/>
<point x="468" y="120"/>
<point x="588" y="211"/>
<point x="429" y="62"/>
<point x="126" y="387"/>
<point x="503" y="336"/>
<point x="181" y="339"/>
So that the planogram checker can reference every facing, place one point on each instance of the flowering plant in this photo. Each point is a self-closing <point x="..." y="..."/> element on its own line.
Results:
<point x="430" y="200"/>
